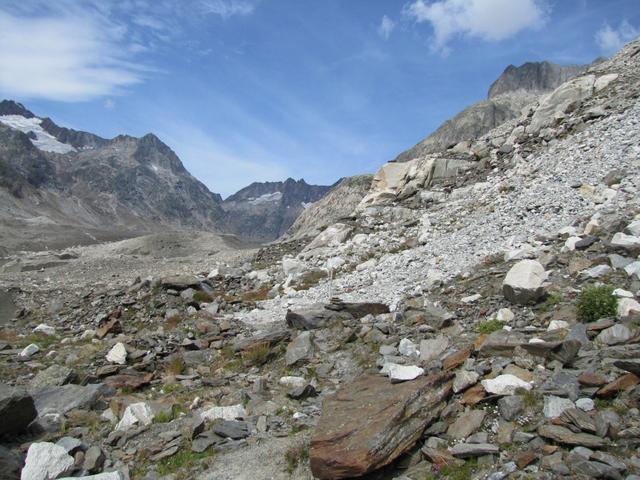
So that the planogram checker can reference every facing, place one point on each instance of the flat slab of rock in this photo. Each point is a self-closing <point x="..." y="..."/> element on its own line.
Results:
<point x="180" y="282"/>
<point x="67" y="397"/>
<point x="566" y="436"/>
<point x="370" y="422"/>
<point x="268" y="338"/>
<point x="467" y="450"/>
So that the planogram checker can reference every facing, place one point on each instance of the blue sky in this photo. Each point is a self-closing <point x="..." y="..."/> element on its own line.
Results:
<point x="250" y="90"/>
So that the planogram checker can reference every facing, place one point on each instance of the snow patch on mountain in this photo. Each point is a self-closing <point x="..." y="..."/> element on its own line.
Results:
<point x="267" y="197"/>
<point x="43" y="139"/>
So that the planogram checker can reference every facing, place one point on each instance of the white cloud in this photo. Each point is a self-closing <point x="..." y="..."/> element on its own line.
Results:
<point x="74" y="51"/>
<point x="611" y="40"/>
<point x="490" y="20"/>
<point x="62" y="58"/>
<point x="109" y="104"/>
<point x="228" y="8"/>
<point x="386" y="27"/>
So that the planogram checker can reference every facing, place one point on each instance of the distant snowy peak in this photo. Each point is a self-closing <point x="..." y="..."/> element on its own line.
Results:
<point x="38" y="136"/>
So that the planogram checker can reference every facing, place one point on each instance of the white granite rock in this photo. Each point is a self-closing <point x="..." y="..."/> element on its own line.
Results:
<point x="46" y="461"/>
<point x="505" y="384"/>
<point x="117" y="354"/>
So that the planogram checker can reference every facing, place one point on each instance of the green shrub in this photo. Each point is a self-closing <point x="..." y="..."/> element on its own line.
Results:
<point x="490" y="326"/>
<point x="595" y="303"/>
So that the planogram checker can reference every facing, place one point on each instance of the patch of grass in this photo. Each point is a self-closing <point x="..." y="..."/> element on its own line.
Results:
<point x="611" y="403"/>
<point x="490" y="326"/>
<point x="463" y="472"/>
<point x="43" y="341"/>
<point x="202" y="297"/>
<point x="175" y="366"/>
<point x="257" y="355"/>
<point x="183" y="459"/>
<point x="171" y="387"/>
<point x="529" y="398"/>
<point x="295" y="455"/>
<point x="551" y="301"/>
<point x="167" y="416"/>
<point x="595" y="303"/>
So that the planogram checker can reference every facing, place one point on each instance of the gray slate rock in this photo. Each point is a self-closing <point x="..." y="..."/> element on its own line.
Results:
<point x="53" y="376"/>
<point x="231" y="429"/>
<point x="300" y="349"/>
<point x="467" y="450"/>
<point x="67" y="397"/>
<point x="510" y="407"/>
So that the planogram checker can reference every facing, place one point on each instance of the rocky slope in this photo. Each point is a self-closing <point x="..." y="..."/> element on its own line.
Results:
<point x="475" y="316"/>
<point x="338" y="203"/>
<point x="508" y="95"/>
<point x="263" y="211"/>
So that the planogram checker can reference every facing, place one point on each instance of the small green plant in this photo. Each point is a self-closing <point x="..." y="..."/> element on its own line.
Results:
<point x="595" y="303"/>
<point x="463" y="472"/>
<point x="257" y="355"/>
<point x="183" y="459"/>
<point x="295" y="455"/>
<point x="490" y="326"/>
<point x="166" y="416"/>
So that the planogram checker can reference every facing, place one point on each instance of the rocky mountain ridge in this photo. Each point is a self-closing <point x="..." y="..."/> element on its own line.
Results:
<point x="264" y="211"/>
<point x="79" y="188"/>
<point x="514" y="89"/>
<point x="475" y="316"/>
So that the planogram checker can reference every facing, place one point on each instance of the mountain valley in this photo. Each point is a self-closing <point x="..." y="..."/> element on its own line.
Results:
<point x="470" y="310"/>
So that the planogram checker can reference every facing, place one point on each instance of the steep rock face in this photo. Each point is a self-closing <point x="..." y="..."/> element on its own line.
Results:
<point x="338" y="203"/>
<point x="264" y="211"/>
<point x="534" y="77"/>
<point x="508" y="95"/>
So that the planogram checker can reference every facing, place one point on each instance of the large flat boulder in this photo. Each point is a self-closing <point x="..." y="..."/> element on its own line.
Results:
<point x="67" y="397"/>
<point x="17" y="410"/>
<point x="369" y="423"/>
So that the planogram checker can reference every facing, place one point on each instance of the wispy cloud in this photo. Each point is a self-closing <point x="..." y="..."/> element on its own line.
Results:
<point x="386" y="27"/>
<point x="610" y="40"/>
<point x="63" y="58"/>
<point x="76" y="51"/>
<point x="222" y="169"/>
<point x="228" y="8"/>
<point x="490" y="20"/>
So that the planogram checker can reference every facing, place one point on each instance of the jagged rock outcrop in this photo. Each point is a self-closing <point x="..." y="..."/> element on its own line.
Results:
<point x="508" y="95"/>
<point x="534" y="77"/>
<point x="263" y="211"/>
<point x="337" y="204"/>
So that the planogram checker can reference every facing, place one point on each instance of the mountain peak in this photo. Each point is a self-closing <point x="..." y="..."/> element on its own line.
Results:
<point x="533" y="77"/>
<point x="11" y="107"/>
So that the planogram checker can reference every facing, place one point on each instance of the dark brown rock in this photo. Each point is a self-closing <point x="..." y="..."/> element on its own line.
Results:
<point x="369" y="423"/>
<point x="112" y="326"/>
<point x="621" y="383"/>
